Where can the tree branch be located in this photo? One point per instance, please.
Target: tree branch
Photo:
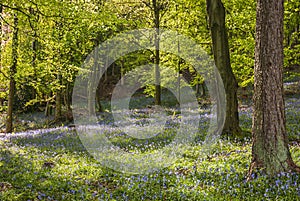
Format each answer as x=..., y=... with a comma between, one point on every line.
x=4, y=74
x=15, y=8
x=6, y=21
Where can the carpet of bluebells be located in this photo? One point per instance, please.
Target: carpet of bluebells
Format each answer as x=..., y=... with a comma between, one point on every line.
x=54, y=165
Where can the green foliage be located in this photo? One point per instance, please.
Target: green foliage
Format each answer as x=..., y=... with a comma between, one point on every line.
x=55, y=37
x=64, y=33
x=292, y=33
x=240, y=20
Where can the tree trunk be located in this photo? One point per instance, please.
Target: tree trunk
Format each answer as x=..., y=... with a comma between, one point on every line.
x=58, y=92
x=58, y=106
x=58, y=100
x=68, y=96
x=122, y=72
x=156, y=10
x=98, y=100
x=92, y=87
x=270, y=144
x=1, y=37
x=98, y=71
x=34, y=50
x=12, y=82
x=48, y=108
x=203, y=94
x=216, y=15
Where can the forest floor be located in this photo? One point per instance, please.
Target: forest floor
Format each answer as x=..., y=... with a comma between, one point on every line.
x=54, y=164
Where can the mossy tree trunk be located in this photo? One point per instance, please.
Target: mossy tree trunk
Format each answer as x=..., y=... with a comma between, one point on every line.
x=216, y=15
x=13, y=71
x=270, y=150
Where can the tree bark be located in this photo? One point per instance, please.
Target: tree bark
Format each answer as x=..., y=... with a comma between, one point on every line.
x=156, y=9
x=34, y=47
x=270, y=150
x=58, y=100
x=12, y=82
x=58, y=92
x=1, y=37
x=98, y=71
x=216, y=15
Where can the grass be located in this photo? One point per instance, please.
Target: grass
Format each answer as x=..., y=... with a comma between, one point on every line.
x=56, y=166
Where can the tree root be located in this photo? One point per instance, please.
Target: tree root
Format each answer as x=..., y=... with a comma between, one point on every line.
x=252, y=167
x=293, y=166
x=255, y=165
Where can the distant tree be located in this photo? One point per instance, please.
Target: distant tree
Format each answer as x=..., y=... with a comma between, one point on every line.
x=1, y=9
x=270, y=150
x=1, y=37
x=12, y=73
x=292, y=35
x=156, y=10
x=157, y=7
x=216, y=15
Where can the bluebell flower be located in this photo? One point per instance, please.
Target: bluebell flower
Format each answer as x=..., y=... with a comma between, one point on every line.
x=72, y=191
x=277, y=182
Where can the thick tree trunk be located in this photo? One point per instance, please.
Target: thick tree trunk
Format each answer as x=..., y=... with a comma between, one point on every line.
x=12, y=82
x=270, y=144
x=216, y=15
